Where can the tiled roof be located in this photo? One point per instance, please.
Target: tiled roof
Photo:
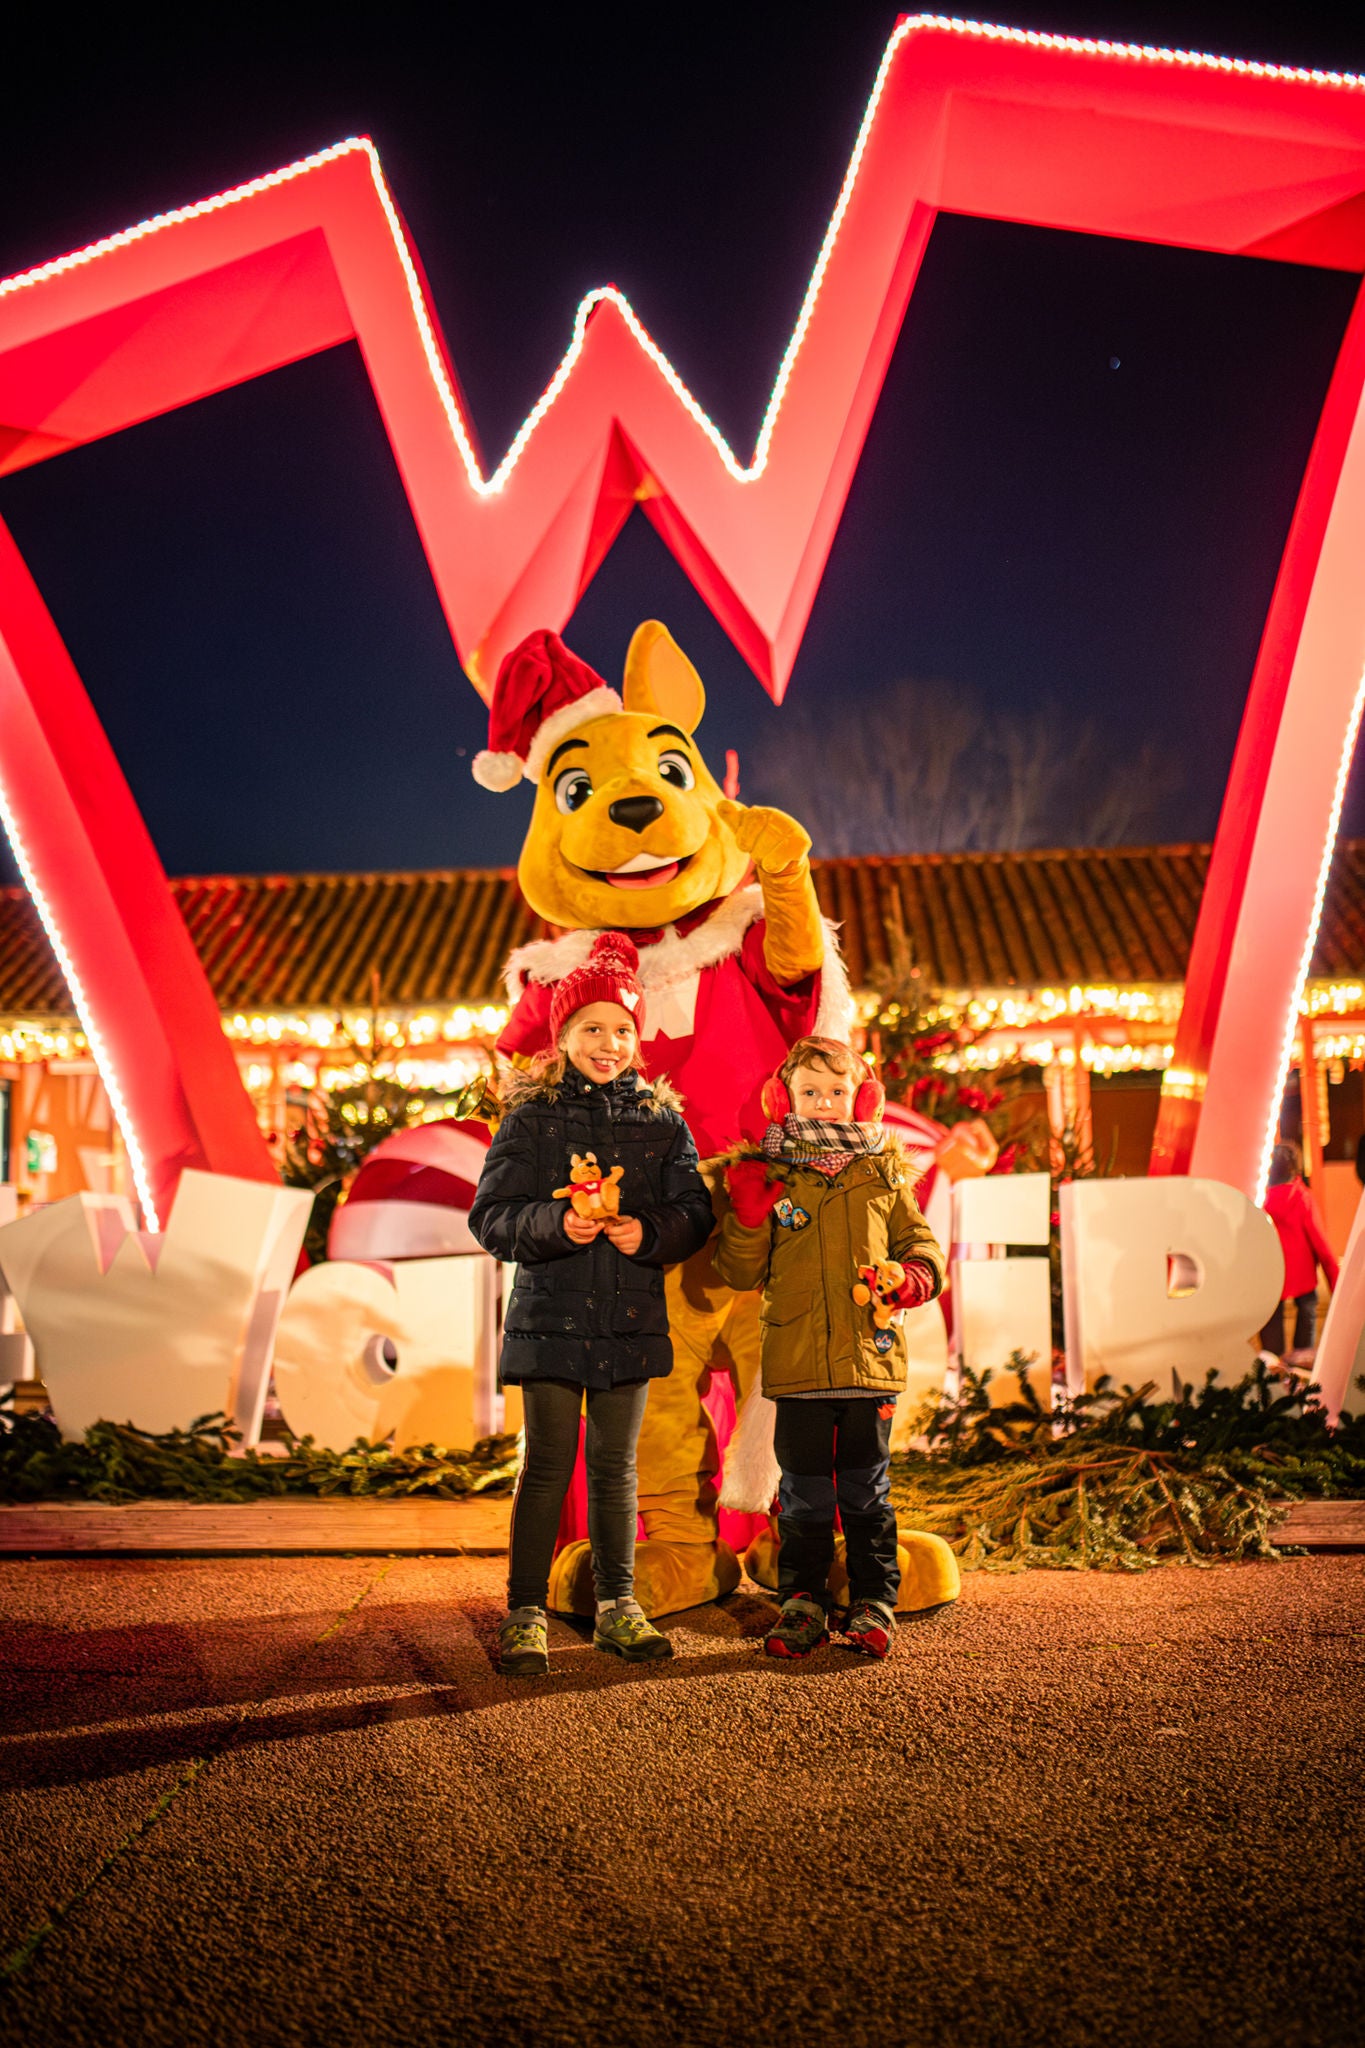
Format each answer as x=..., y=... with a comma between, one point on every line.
x=301, y=942
x=995, y=920
x=972, y=920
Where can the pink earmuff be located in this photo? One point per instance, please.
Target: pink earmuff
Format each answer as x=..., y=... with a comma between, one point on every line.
x=868, y=1103
x=774, y=1101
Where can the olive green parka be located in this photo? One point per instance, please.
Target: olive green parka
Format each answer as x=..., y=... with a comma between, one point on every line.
x=815, y=1337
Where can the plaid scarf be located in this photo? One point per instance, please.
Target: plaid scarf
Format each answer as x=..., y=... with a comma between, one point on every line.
x=826, y=1146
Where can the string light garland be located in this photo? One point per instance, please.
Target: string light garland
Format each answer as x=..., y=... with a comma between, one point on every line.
x=98, y=1045
x=1272, y=1124
x=492, y=485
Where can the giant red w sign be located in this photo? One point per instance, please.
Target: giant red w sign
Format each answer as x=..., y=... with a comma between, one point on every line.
x=1107, y=139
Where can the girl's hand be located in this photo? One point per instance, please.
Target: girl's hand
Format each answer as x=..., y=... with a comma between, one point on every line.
x=581, y=1229
x=625, y=1233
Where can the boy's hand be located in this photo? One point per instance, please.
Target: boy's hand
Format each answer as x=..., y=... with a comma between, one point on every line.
x=775, y=841
x=752, y=1195
x=581, y=1229
x=625, y=1233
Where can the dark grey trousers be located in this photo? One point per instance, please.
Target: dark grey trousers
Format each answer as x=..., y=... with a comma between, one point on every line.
x=552, y=1411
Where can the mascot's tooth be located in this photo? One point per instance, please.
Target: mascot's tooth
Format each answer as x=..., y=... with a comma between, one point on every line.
x=643, y=862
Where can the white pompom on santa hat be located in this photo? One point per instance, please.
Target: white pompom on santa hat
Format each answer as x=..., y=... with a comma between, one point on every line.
x=542, y=692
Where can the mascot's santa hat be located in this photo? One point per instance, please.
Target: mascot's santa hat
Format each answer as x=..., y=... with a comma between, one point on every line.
x=541, y=694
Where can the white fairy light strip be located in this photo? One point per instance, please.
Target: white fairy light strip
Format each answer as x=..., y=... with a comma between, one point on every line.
x=99, y=1048
x=1297, y=1004
x=492, y=485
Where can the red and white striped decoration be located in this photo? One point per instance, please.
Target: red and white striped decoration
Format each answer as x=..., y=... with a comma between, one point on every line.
x=411, y=1199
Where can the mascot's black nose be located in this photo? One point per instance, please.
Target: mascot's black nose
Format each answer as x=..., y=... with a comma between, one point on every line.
x=635, y=812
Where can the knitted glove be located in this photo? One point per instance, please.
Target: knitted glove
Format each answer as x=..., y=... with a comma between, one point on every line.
x=752, y=1195
x=917, y=1287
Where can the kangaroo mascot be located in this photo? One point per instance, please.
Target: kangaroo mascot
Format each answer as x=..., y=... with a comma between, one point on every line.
x=631, y=832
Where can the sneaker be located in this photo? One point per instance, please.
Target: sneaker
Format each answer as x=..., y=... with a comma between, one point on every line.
x=523, y=1648
x=869, y=1628
x=801, y=1628
x=622, y=1631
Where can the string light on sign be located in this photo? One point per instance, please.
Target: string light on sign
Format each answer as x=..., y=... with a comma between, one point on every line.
x=1272, y=1125
x=492, y=485
x=98, y=1044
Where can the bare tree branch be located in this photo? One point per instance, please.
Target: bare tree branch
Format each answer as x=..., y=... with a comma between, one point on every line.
x=928, y=768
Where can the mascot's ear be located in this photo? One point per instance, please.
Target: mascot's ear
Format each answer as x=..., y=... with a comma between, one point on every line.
x=659, y=677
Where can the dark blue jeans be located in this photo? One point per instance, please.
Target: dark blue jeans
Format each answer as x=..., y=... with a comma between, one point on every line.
x=836, y=1454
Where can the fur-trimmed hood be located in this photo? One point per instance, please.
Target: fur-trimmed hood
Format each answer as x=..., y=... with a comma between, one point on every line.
x=532, y=1084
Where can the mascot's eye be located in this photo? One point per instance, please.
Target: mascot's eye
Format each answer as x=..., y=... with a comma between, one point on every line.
x=572, y=790
x=677, y=769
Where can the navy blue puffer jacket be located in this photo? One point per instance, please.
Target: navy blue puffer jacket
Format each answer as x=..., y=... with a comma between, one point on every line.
x=587, y=1312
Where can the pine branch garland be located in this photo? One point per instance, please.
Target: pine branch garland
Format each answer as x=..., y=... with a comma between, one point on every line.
x=1117, y=1481
x=116, y=1463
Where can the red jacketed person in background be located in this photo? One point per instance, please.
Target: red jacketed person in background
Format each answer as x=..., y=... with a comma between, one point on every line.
x=1289, y=1204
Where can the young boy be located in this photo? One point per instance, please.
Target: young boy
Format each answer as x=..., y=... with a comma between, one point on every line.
x=826, y=1198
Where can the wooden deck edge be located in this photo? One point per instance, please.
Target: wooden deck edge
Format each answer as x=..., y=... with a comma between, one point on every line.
x=364, y=1528
x=286, y=1528
x=27, y=1552
x=1322, y=1525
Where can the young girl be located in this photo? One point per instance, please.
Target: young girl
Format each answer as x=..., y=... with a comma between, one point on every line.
x=827, y=1201
x=587, y=1316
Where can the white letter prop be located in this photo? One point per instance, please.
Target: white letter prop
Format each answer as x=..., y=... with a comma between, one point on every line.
x=364, y=1350
x=151, y=1330
x=1002, y=1305
x=1167, y=1275
x=1341, y=1353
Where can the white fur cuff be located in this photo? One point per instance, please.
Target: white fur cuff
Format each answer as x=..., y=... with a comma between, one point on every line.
x=751, y=1470
x=596, y=704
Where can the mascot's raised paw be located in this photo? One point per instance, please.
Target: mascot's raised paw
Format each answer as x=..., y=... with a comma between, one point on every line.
x=774, y=841
x=668, y=1577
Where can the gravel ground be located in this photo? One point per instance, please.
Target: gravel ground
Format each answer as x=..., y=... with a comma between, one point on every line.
x=276, y=1800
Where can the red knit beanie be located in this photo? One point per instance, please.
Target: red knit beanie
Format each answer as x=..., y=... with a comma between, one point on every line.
x=608, y=975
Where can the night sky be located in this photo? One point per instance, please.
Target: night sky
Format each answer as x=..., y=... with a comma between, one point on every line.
x=1069, y=512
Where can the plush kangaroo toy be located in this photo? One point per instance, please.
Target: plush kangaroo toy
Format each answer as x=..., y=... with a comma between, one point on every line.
x=591, y=1193
x=631, y=831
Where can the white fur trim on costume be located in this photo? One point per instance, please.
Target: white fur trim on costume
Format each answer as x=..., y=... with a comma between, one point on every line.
x=672, y=959
x=496, y=771
x=597, y=704
x=751, y=1470
x=834, y=1018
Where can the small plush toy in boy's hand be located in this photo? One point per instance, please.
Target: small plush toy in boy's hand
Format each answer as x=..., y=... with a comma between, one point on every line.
x=881, y=1286
x=890, y=1287
x=590, y=1193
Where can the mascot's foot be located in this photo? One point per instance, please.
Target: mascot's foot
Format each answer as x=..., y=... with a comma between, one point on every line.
x=929, y=1573
x=760, y=1559
x=668, y=1577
